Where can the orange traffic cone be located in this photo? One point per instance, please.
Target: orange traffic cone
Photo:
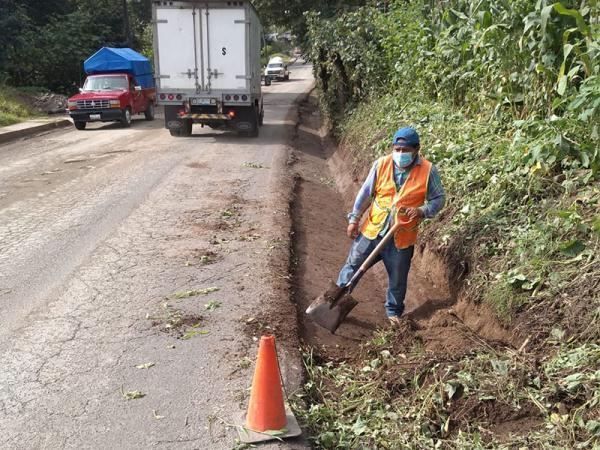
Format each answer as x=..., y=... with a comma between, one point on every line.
x=267, y=417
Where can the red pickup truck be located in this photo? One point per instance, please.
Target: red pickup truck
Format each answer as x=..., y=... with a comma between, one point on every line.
x=119, y=84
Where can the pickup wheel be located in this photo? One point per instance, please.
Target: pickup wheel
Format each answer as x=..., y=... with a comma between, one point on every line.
x=126, y=120
x=149, y=113
x=267, y=81
x=80, y=125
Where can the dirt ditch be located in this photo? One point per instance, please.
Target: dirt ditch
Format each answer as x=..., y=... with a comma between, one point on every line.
x=325, y=190
x=445, y=323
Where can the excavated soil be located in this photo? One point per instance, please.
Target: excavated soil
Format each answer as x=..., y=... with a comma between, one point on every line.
x=438, y=316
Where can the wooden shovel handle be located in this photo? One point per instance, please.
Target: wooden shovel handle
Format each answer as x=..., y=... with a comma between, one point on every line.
x=377, y=250
x=374, y=254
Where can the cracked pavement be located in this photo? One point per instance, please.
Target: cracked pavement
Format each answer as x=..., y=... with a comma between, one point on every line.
x=100, y=232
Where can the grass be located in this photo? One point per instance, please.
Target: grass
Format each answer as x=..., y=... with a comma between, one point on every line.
x=12, y=110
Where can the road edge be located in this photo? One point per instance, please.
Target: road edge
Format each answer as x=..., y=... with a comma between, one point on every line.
x=282, y=184
x=11, y=135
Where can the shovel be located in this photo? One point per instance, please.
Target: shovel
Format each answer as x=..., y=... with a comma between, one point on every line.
x=331, y=308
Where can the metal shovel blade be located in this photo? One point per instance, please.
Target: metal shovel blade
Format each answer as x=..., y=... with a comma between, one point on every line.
x=331, y=308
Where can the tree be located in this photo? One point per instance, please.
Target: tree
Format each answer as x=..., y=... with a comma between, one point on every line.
x=290, y=13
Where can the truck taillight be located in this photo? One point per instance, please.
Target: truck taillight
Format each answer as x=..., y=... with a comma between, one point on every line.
x=236, y=97
x=72, y=105
x=162, y=96
x=179, y=97
x=170, y=96
x=244, y=97
x=228, y=97
x=231, y=114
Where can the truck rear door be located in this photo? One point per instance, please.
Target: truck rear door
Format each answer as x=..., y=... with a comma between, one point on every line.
x=177, y=44
x=224, y=39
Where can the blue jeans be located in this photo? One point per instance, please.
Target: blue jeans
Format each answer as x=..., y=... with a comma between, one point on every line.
x=396, y=261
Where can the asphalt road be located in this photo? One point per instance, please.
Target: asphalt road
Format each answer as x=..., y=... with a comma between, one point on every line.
x=100, y=231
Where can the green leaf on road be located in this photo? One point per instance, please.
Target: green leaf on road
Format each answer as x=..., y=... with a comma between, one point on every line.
x=192, y=333
x=194, y=293
x=131, y=395
x=253, y=165
x=145, y=366
x=212, y=305
x=275, y=432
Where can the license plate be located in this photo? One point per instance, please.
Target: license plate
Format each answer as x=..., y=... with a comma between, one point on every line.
x=203, y=101
x=94, y=116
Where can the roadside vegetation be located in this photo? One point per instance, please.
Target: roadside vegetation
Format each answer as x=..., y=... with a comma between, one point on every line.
x=506, y=96
x=13, y=107
x=45, y=43
x=283, y=49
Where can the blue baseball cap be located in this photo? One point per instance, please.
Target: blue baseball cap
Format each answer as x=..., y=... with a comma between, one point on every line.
x=406, y=136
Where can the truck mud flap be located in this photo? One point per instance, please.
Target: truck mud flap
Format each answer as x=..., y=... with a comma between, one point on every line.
x=174, y=124
x=244, y=126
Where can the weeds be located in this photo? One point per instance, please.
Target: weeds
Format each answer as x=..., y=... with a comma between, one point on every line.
x=392, y=400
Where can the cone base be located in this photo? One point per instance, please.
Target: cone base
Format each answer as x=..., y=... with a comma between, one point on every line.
x=292, y=429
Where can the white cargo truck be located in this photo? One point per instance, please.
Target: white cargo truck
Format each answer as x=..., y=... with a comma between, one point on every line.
x=207, y=65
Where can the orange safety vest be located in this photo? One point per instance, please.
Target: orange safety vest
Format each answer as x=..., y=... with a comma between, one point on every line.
x=388, y=200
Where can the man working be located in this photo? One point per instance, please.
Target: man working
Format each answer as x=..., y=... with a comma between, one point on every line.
x=401, y=185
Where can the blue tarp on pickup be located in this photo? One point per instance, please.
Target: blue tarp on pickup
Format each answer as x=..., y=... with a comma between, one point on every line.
x=121, y=60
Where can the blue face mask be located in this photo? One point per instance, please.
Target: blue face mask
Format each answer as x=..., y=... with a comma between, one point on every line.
x=402, y=159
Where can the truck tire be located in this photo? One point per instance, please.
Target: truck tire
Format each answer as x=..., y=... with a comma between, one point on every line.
x=126, y=120
x=184, y=131
x=267, y=81
x=80, y=125
x=255, y=125
x=149, y=113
